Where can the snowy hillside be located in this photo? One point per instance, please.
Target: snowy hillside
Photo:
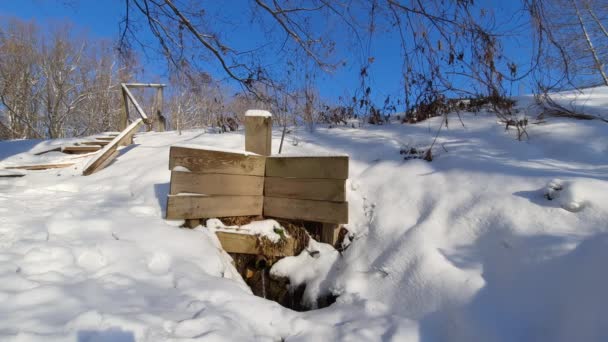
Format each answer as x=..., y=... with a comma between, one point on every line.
x=468, y=247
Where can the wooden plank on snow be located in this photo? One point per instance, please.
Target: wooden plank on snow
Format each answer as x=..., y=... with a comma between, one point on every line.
x=306, y=188
x=216, y=184
x=200, y=206
x=79, y=149
x=308, y=210
x=35, y=167
x=208, y=160
x=335, y=167
x=248, y=244
x=100, y=160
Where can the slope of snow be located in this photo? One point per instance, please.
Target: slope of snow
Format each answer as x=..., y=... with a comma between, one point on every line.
x=465, y=248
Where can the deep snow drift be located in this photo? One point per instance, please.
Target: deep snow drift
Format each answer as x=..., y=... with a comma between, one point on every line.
x=495, y=240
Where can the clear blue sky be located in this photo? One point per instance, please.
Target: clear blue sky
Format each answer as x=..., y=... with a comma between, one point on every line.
x=100, y=19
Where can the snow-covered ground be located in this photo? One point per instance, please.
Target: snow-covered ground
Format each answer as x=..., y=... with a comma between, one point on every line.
x=464, y=248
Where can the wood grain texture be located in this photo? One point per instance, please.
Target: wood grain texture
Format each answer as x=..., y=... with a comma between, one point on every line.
x=335, y=167
x=247, y=244
x=258, y=135
x=216, y=184
x=309, y=210
x=212, y=161
x=100, y=160
x=306, y=188
x=198, y=206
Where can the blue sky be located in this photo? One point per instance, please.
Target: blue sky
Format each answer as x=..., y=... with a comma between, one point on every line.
x=100, y=19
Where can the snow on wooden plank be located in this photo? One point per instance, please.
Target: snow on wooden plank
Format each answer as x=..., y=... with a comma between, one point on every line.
x=216, y=184
x=35, y=167
x=215, y=161
x=258, y=112
x=309, y=210
x=197, y=206
x=335, y=167
x=100, y=160
x=248, y=244
x=322, y=189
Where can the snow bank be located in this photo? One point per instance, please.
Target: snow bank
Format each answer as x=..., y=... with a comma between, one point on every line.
x=465, y=248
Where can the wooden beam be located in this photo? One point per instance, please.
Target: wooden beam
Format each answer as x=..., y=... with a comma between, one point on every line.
x=161, y=122
x=200, y=206
x=329, y=233
x=124, y=118
x=207, y=160
x=98, y=142
x=216, y=184
x=258, y=133
x=335, y=167
x=306, y=188
x=308, y=210
x=107, y=153
x=40, y=166
x=80, y=149
x=248, y=244
x=145, y=85
x=135, y=103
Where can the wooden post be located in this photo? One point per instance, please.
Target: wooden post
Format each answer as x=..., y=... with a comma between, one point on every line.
x=161, y=123
x=329, y=233
x=124, y=119
x=258, y=132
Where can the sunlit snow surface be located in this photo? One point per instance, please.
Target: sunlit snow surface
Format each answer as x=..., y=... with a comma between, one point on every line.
x=465, y=248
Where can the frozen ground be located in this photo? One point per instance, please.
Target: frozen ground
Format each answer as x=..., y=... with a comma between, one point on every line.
x=465, y=248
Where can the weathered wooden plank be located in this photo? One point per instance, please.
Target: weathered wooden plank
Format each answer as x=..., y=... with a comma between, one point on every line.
x=208, y=160
x=99, y=161
x=258, y=133
x=80, y=149
x=98, y=142
x=124, y=116
x=322, y=189
x=247, y=244
x=216, y=184
x=105, y=138
x=145, y=85
x=309, y=210
x=199, y=206
x=335, y=167
x=40, y=166
x=329, y=233
x=135, y=103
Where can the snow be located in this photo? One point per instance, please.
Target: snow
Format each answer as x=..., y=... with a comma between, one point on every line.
x=270, y=229
x=218, y=149
x=465, y=248
x=258, y=112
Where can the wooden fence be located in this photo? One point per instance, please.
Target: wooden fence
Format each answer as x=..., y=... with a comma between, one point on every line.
x=207, y=183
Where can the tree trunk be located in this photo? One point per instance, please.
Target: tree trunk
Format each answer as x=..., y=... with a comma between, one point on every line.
x=598, y=63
